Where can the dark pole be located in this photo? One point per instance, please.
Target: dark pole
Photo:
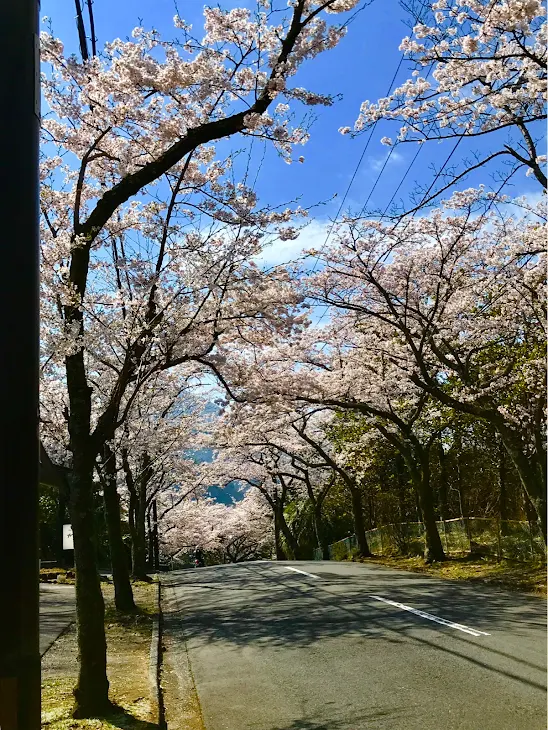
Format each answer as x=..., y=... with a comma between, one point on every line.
x=19, y=331
x=155, y=539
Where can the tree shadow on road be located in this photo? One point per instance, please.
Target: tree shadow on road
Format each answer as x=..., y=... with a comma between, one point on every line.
x=264, y=607
x=362, y=720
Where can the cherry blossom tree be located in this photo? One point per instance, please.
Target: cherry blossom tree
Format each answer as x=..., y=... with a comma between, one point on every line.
x=239, y=459
x=344, y=367
x=149, y=456
x=480, y=70
x=455, y=305
x=230, y=533
x=299, y=448
x=139, y=119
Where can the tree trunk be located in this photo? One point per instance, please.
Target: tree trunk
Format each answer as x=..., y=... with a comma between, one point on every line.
x=433, y=547
x=138, y=522
x=91, y=692
x=138, y=547
x=280, y=555
x=503, y=493
x=62, y=504
x=418, y=506
x=443, y=479
x=290, y=539
x=323, y=545
x=359, y=524
x=150, y=540
x=123, y=594
x=419, y=471
x=531, y=475
x=153, y=558
x=155, y=537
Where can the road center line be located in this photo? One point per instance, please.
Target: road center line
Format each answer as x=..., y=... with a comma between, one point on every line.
x=303, y=572
x=430, y=617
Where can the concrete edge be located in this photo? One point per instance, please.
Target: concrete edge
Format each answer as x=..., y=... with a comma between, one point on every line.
x=179, y=677
x=59, y=635
x=155, y=662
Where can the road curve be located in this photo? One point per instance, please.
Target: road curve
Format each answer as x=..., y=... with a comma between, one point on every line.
x=343, y=646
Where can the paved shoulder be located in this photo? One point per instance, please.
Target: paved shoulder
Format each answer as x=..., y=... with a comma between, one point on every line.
x=57, y=611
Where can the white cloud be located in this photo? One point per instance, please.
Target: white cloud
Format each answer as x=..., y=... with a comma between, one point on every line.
x=376, y=163
x=282, y=252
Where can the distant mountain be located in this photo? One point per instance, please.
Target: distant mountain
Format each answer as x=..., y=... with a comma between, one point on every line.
x=224, y=495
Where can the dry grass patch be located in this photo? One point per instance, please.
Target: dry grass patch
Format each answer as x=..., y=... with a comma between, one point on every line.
x=128, y=642
x=507, y=574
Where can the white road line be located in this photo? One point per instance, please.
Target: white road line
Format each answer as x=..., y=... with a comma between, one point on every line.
x=296, y=570
x=430, y=617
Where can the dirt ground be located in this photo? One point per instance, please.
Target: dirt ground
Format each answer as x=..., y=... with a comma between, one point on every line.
x=128, y=642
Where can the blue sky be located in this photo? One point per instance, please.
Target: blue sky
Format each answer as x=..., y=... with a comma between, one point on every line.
x=361, y=67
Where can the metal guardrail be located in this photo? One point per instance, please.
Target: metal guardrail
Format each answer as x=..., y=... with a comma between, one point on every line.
x=485, y=536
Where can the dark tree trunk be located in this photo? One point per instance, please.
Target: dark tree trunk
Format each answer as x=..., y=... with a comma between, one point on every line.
x=150, y=539
x=290, y=539
x=62, y=507
x=359, y=523
x=131, y=521
x=433, y=547
x=442, y=486
x=371, y=511
x=503, y=484
x=123, y=594
x=155, y=537
x=418, y=506
x=463, y=497
x=419, y=470
x=531, y=473
x=138, y=515
x=319, y=529
x=91, y=692
x=399, y=471
x=153, y=557
x=280, y=554
x=138, y=547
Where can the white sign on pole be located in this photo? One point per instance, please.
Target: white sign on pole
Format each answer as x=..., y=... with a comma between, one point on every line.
x=68, y=540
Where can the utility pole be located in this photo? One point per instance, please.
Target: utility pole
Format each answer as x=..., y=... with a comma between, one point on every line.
x=19, y=362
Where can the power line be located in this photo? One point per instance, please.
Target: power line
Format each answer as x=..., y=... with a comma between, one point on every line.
x=402, y=181
x=438, y=174
x=386, y=163
x=356, y=169
x=425, y=196
x=417, y=208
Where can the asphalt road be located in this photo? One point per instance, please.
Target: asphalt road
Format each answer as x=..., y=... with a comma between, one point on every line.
x=57, y=611
x=275, y=649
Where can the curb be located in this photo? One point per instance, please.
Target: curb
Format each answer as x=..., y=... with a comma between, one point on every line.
x=61, y=633
x=155, y=662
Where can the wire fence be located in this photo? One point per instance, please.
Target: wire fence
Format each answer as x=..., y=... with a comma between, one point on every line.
x=481, y=536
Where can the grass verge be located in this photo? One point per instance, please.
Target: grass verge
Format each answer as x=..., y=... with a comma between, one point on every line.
x=507, y=574
x=128, y=642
